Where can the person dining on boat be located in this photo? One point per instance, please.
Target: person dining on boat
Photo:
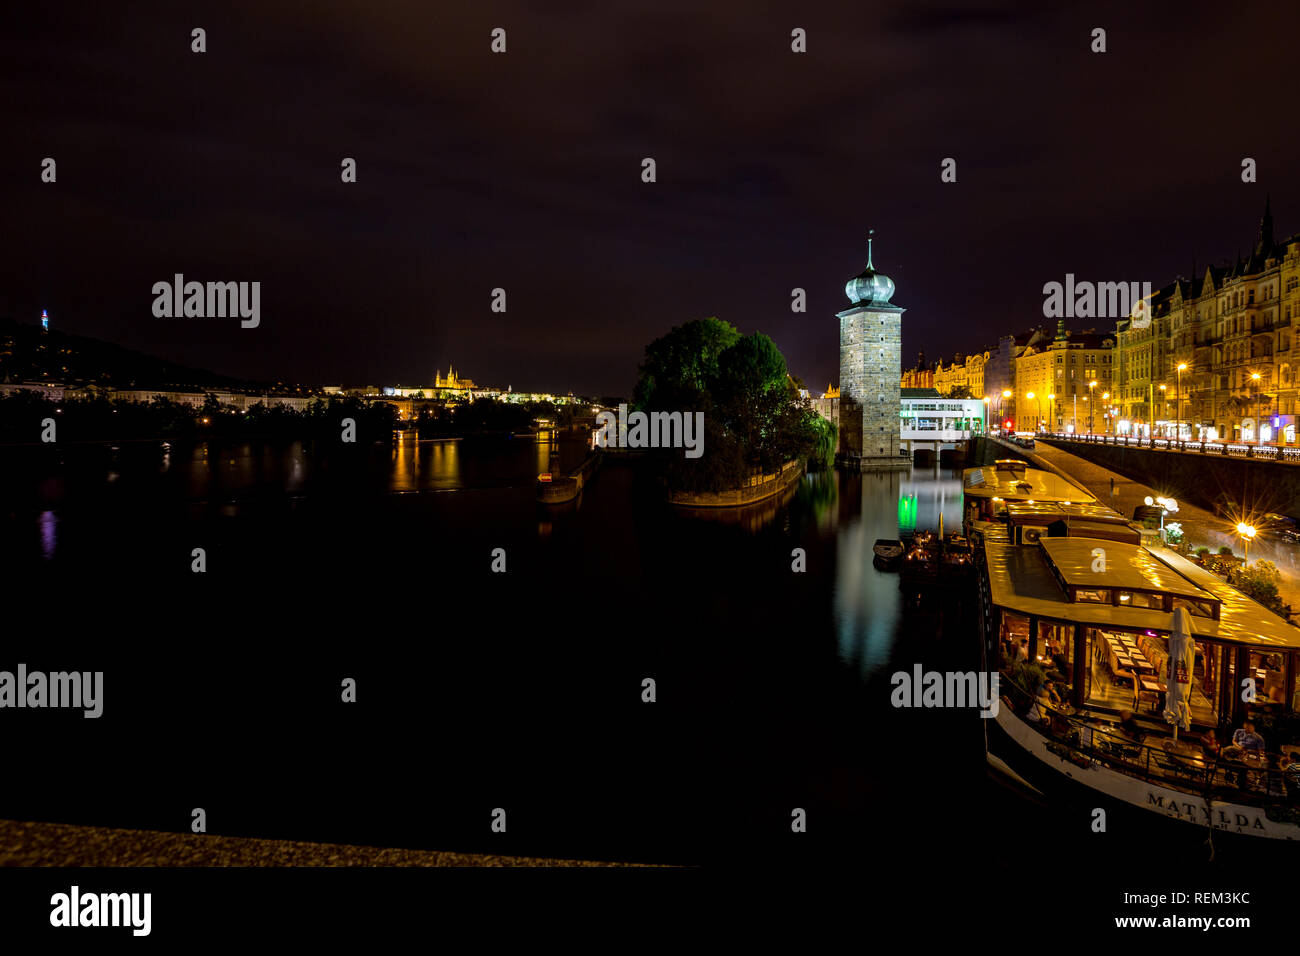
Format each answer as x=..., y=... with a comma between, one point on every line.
x=1041, y=707
x=1061, y=664
x=1247, y=747
x=1022, y=652
x=1245, y=738
x=1289, y=765
x=1055, y=691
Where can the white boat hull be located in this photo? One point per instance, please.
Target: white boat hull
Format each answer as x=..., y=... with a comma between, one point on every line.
x=1166, y=801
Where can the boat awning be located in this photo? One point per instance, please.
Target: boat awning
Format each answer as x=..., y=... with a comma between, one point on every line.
x=1021, y=580
x=1031, y=484
x=1128, y=566
x=1043, y=512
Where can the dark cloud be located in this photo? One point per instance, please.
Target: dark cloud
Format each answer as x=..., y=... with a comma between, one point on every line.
x=523, y=171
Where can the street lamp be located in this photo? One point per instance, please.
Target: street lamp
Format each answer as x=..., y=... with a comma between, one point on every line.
x=1166, y=506
x=1247, y=533
x=1105, y=397
x=1166, y=404
x=1091, y=386
x=1051, y=399
x=1178, y=414
x=1006, y=393
x=1258, y=431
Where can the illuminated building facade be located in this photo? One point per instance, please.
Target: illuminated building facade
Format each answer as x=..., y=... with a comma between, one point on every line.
x=1065, y=368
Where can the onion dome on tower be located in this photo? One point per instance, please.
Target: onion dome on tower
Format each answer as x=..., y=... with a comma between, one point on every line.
x=869, y=287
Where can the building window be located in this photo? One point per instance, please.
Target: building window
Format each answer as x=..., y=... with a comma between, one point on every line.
x=1141, y=599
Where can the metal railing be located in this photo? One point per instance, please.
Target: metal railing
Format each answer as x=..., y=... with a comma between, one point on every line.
x=1265, y=451
x=1213, y=776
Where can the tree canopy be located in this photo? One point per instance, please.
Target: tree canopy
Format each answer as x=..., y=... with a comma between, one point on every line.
x=754, y=418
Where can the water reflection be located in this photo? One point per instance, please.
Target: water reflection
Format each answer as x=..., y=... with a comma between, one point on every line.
x=867, y=601
x=297, y=469
x=49, y=524
x=867, y=604
x=930, y=493
x=405, y=452
x=752, y=518
x=545, y=442
x=817, y=495
x=443, y=462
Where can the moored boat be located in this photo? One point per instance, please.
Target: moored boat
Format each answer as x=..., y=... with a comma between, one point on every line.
x=1102, y=691
x=988, y=490
x=888, y=551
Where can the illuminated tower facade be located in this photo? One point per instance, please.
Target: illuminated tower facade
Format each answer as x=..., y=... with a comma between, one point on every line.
x=870, y=373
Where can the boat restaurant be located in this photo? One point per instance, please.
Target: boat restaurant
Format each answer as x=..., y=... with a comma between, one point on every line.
x=1097, y=614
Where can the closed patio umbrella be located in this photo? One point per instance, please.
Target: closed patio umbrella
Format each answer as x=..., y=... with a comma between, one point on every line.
x=1182, y=660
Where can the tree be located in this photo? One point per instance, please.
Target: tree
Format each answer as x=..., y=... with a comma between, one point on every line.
x=754, y=418
x=755, y=399
x=825, y=442
x=1260, y=581
x=678, y=365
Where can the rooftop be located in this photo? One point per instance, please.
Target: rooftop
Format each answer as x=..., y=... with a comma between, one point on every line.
x=1052, y=510
x=1029, y=483
x=1128, y=567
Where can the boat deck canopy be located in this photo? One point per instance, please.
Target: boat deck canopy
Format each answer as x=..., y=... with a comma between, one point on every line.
x=1045, y=512
x=1021, y=579
x=1029, y=483
x=1128, y=567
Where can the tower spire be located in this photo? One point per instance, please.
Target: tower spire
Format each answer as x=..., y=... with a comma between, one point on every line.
x=1265, y=241
x=870, y=233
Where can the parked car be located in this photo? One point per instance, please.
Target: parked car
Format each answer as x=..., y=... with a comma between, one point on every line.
x=1281, y=526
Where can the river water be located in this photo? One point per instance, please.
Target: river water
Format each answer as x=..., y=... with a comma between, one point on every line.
x=479, y=689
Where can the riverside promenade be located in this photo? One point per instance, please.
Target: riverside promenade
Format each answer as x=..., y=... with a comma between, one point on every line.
x=57, y=844
x=1200, y=527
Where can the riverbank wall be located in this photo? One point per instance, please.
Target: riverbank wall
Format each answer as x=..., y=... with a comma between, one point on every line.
x=760, y=488
x=559, y=490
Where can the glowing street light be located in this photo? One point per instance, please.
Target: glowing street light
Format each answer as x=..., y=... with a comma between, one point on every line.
x=1051, y=399
x=1167, y=506
x=1091, y=386
x=1247, y=533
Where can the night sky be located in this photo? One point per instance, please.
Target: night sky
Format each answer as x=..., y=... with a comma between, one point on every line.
x=523, y=171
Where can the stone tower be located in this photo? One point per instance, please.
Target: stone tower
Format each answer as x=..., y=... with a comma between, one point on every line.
x=870, y=373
